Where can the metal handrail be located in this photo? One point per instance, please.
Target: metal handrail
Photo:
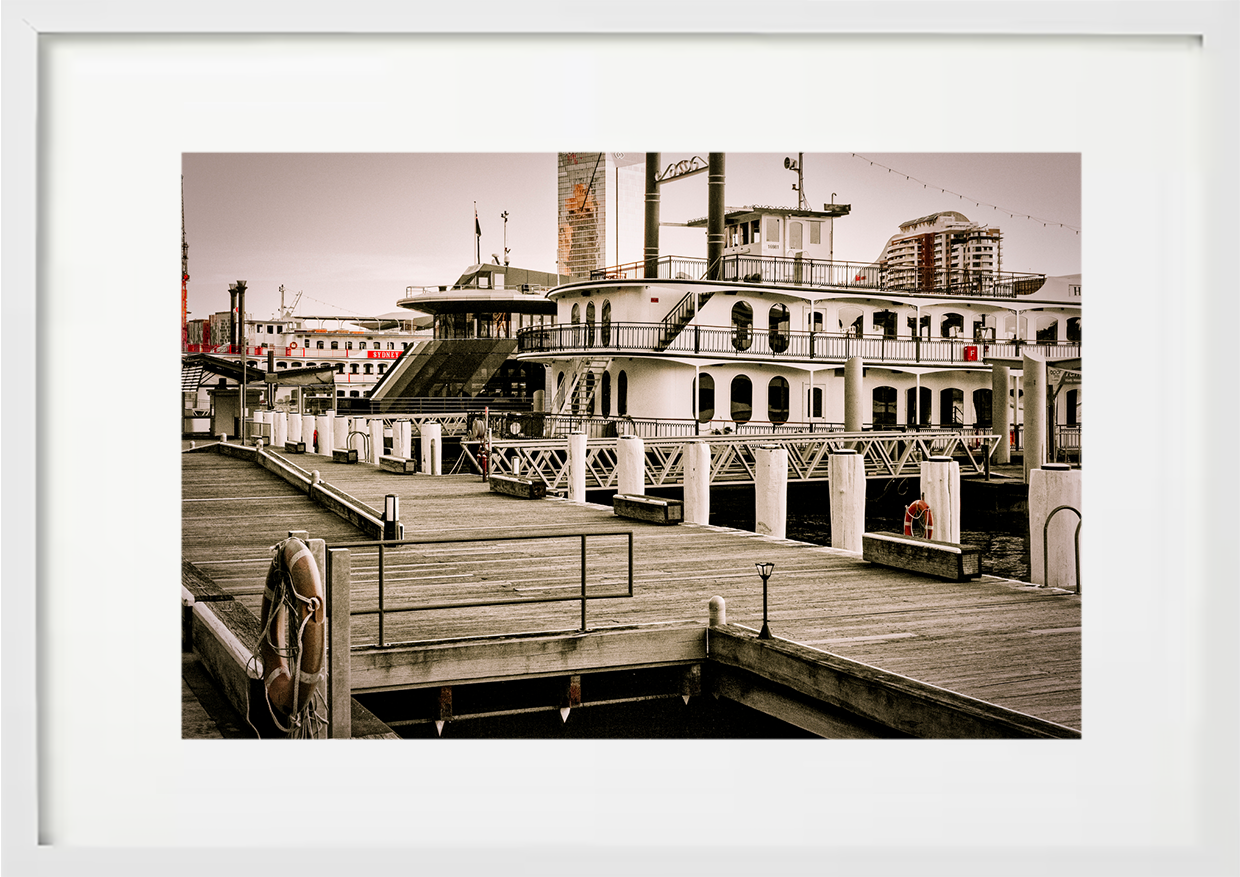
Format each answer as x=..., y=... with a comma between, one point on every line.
x=383, y=546
x=1046, y=547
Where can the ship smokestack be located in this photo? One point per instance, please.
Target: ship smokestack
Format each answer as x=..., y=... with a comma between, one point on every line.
x=651, y=268
x=714, y=217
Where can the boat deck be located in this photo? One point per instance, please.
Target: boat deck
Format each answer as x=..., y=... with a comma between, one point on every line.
x=1001, y=641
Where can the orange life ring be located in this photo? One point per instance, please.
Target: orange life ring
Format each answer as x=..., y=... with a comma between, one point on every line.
x=918, y=514
x=295, y=588
x=293, y=344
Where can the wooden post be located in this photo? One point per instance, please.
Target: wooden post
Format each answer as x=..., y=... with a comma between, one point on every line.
x=697, y=482
x=577, y=467
x=432, y=448
x=940, y=487
x=846, y=489
x=293, y=433
x=339, y=687
x=854, y=390
x=376, y=440
x=1001, y=411
x=1054, y=485
x=771, y=490
x=631, y=465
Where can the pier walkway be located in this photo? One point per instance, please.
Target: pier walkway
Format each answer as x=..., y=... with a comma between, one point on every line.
x=1004, y=642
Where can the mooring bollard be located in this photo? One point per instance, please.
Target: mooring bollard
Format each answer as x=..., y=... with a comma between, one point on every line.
x=718, y=611
x=432, y=448
x=1053, y=560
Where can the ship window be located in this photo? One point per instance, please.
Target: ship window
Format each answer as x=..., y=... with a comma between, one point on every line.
x=742, y=399
x=271, y=330
x=951, y=407
x=606, y=393
x=348, y=345
x=706, y=398
x=742, y=325
x=622, y=394
x=590, y=324
x=885, y=323
x=340, y=369
x=368, y=369
x=952, y=326
x=756, y=232
x=1073, y=329
x=778, y=325
x=815, y=232
x=606, y=330
x=815, y=321
x=391, y=345
x=382, y=368
x=883, y=412
x=794, y=236
x=1046, y=328
x=281, y=365
x=353, y=369
x=1073, y=403
x=772, y=229
x=852, y=321
x=925, y=326
x=919, y=414
x=815, y=402
x=362, y=346
x=777, y=400
x=576, y=312
x=982, y=415
x=335, y=345
x=319, y=346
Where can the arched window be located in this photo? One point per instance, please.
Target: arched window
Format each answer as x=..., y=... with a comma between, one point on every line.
x=952, y=326
x=982, y=415
x=742, y=325
x=706, y=399
x=1072, y=329
x=281, y=365
x=1046, y=327
x=815, y=402
x=851, y=321
x=919, y=414
x=742, y=399
x=362, y=346
x=367, y=369
x=606, y=394
x=883, y=411
x=353, y=369
x=885, y=323
x=576, y=321
x=335, y=345
x=319, y=346
x=590, y=324
x=622, y=394
x=777, y=400
x=348, y=345
x=778, y=325
x=951, y=407
x=606, y=327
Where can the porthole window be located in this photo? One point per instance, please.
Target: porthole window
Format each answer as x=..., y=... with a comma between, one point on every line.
x=742, y=399
x=742, y=325
x=777, y=400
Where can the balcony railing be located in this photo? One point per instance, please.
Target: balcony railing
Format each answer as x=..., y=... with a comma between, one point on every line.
x=821, y=273
x=750, y=344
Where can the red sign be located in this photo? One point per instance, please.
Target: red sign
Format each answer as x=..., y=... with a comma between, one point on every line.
x=383, y=354
x=970, y=353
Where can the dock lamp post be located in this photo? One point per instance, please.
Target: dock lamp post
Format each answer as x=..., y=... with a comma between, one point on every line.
x=764, y=570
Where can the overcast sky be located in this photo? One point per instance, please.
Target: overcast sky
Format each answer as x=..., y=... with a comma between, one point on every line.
x=352, y=231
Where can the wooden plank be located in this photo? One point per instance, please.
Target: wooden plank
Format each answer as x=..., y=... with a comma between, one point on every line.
x=526, y=657
x=511, y=485
x=651, y=509
x=947, y=560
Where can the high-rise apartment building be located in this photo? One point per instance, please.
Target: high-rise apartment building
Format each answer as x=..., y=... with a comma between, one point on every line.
x=601, y=208
x=942, y=251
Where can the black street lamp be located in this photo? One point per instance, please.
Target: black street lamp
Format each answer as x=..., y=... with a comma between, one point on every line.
x=764, y=570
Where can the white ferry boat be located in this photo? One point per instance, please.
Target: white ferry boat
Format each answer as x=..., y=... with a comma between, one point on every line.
x=755, y=338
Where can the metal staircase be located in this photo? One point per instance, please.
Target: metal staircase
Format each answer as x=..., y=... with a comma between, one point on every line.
x=567, y=392
x=680, y=316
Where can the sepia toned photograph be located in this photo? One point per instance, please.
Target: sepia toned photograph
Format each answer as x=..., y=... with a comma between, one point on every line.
x=632, y=445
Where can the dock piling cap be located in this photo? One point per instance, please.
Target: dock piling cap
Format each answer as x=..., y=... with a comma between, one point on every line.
x=939, y=459
x=1056, y=467
x=844, y=451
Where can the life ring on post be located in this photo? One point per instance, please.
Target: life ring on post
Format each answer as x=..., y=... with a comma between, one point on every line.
x=918, y=517
x=294, y=593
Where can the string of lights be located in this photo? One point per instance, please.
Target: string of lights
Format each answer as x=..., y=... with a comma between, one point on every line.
x=1047, y=223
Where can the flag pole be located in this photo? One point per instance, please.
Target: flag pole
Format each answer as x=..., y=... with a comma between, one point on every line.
x=477, y=237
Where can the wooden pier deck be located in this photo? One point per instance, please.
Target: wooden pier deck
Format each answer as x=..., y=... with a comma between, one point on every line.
x=1001, y=641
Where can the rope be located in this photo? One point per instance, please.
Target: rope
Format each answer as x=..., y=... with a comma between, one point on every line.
x=305, y=720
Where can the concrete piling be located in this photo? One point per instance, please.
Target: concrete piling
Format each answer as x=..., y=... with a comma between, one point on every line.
x=577, y=467
x=1001, y=411
x=432, y=448
x=854, y=390
x=376, y=440
x=1033, y=435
